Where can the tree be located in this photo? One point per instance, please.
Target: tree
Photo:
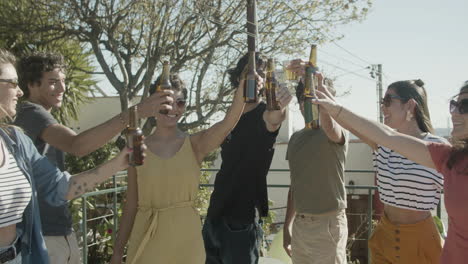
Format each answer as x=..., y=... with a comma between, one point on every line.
x=129, y=38
x=24, y=40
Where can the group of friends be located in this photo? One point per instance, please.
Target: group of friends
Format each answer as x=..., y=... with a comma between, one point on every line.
x=160, y=223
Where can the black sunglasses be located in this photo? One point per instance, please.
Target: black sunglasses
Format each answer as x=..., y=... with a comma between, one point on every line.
x=462, y=106
x=13, y=82
x=180, y=103
x=387, y=100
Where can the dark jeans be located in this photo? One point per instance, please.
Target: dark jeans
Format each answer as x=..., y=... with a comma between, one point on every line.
x=231, y=242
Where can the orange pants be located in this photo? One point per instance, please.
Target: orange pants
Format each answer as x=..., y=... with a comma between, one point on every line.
x=418, y=243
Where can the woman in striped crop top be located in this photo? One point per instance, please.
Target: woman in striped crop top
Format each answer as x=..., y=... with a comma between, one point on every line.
x=450, y=161
x=25, y=174
x=408, y=190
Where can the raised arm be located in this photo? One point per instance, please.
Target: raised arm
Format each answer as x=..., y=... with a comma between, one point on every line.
x=57, y=187
x=208, y=140
x=408, y=146
x=128, y=217
x=86, y=181
x=88, y=141
x=334, y=130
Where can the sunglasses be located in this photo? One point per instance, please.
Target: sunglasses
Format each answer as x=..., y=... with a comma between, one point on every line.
x=13, y=82
x=461, y=106
x=387, y=100
x=180, y=103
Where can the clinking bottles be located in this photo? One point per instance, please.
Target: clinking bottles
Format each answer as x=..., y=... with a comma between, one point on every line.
x=311, y=111
x=164, y=81
x=134, y=138
x=271, y=86
x=250, y=87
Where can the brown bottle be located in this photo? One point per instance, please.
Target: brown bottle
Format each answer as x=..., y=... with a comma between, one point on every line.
x=311, y=111
x=134, y=138
x=271, y=86
x=165, y=81
x=250, y=87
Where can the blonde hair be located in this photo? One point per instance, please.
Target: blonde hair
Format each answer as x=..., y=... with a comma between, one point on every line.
x=6, y=57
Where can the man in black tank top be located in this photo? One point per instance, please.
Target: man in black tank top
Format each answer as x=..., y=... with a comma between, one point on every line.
x=231, y=232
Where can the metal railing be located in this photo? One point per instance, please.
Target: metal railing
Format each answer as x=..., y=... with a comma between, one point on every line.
x=117, y=190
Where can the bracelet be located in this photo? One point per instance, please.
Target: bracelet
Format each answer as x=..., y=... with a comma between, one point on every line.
x=339, y=111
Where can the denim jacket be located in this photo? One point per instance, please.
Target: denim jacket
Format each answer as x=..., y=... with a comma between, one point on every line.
x=46, y=180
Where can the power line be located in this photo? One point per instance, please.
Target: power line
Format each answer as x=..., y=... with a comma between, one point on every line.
x=347, y=71
x=347, y=51
x=342, y=58
x=351, y=72
x=331, y=39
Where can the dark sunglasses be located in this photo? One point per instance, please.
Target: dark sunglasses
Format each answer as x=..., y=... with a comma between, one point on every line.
x=462, y=106
x=180, y=103
x=13, y=82
x=387, y=100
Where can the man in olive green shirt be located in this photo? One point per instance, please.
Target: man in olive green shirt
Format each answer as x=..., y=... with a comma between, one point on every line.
x=317, y=198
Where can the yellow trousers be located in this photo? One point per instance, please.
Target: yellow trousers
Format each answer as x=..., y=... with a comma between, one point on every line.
x=418, y=243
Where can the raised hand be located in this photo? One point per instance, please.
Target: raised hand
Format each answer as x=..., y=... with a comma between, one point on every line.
x=159, y=101
x=328, y=103
x=283, y=96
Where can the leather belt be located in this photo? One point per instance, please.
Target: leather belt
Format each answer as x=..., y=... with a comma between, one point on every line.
x=11, y=253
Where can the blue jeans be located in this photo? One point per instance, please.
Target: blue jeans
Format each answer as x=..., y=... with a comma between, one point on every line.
x=231, y=242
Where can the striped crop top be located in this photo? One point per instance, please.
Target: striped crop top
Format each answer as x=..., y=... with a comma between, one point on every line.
x=405, y=184
x=15, y=190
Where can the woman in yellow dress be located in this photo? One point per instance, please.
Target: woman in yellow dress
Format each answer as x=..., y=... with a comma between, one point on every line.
x=161, y=193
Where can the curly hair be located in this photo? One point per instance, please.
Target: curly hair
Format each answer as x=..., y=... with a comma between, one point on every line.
x=31, y=68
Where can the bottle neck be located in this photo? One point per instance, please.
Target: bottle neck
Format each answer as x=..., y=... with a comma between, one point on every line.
x=251, y=65
x=133, y=117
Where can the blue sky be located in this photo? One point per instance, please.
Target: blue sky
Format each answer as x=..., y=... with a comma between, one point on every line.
x=411, y=39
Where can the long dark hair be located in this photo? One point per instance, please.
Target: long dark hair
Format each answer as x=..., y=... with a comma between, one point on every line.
x=460, y=150
x=414, y=89
x=235, y=73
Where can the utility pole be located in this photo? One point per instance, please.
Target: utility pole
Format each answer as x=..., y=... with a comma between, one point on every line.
x=380, y=91
x=376, y=72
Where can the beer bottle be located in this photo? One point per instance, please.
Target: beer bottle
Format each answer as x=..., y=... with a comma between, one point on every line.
x=165, y=81
x=311, y=111
x=271, y=86
x=134, y=138
x=250, y=87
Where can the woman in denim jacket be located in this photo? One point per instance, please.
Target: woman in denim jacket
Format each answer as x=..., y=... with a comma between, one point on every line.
x=25, y=174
